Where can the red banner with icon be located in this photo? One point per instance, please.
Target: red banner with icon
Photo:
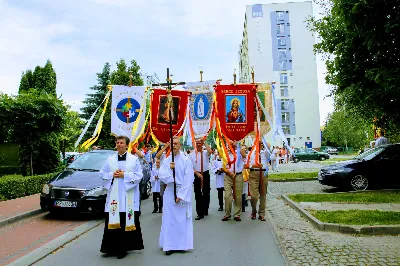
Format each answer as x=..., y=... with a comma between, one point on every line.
x=235, y=109
x=160, y=117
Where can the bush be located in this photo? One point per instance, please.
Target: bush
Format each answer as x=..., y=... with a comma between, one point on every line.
x=9, y=170
x=17, y=186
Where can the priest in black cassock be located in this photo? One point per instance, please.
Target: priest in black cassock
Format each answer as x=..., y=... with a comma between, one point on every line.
x=122, y=174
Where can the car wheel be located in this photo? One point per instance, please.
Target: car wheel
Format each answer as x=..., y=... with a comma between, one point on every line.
x=322, y=158
x=359, y=182
x=296, y=159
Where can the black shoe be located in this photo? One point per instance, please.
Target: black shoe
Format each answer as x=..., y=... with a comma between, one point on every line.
x=121, y=256
x=220, y=209
x=199, y=217
x=169, y=252
x=206, y=213
x=160, y=211
x=154, y=211
x=243, y=210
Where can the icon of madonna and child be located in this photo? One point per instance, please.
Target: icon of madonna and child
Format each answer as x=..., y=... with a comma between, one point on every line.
x=235, y=108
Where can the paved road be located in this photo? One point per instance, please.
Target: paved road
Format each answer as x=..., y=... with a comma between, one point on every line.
x=216, y=243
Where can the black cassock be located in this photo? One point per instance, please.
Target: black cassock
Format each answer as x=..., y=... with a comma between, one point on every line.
x=119, y=241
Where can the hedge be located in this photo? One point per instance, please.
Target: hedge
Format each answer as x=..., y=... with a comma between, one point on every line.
x=9, y=170
x=17, y=186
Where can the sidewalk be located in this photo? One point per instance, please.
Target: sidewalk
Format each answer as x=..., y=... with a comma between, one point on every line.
x=16, y=207
x=328, y=206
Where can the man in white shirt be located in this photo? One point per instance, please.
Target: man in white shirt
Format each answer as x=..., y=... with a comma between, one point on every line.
x=258, y=181
x=219, y=180
x=233, y=183
x=202, y=186
x=156, y=187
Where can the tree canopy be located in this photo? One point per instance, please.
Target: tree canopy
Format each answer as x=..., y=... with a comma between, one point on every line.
x=360, y=40
x=42, y=78
x=120, y=76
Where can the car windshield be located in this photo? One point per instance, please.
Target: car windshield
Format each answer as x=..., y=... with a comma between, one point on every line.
x=90, y=161
x=369, y=154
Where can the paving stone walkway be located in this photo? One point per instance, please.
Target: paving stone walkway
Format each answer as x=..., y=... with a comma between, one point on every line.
x=304, y=245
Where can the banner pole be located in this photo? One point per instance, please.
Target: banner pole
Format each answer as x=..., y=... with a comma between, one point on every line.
x=170, y=106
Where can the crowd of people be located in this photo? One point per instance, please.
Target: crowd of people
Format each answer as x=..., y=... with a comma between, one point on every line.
x=244, y=178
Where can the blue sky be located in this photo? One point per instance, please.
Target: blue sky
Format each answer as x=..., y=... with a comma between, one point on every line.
x=79, y=36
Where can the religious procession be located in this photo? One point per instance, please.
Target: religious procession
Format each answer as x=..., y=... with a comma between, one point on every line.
x=173, y=115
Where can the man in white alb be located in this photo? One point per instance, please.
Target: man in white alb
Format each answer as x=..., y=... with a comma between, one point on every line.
x=177, y=224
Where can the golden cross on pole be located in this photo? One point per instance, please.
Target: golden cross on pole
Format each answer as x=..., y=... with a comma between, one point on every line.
x=130, y=78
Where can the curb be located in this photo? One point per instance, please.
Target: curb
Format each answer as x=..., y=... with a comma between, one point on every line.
x=272, y=225
x=345, y=229
x=293, y=180
x=20, y=217
x=45, y=250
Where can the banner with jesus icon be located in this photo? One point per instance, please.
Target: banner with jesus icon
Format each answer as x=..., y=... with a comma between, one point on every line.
x=161, y=116
x=234, y=109
x=201, y=106
x=128, y=110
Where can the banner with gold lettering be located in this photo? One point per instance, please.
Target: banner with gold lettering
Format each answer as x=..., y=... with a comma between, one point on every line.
x=234, y=109
x=160, y=118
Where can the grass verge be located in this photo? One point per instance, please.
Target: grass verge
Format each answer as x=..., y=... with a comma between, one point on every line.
x=299, y=175
x=360, y=197
x=358, y=217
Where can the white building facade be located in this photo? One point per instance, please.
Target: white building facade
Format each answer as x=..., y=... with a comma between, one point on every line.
x=278, y=45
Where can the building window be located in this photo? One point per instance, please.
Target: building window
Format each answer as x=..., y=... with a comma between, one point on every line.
x=283, y=65
x=280, y=15
x=280, y=29
x=284, y=92
x=282, y=53
x=286, y=129
x=284, y=104
x=281, y=41
x=283, y=78
x=308, y=138
x=286, y=117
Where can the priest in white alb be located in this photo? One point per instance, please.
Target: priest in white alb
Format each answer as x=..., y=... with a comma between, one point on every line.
x=122, y=173
x=177, y=222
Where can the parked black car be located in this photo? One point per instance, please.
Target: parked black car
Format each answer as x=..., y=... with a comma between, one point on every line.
x=79, y=187
x=373, y=168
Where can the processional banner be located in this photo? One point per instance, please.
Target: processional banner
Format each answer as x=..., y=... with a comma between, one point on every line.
x=128, y=110
x=234, y=109
x=201, y=106
x=160, y=118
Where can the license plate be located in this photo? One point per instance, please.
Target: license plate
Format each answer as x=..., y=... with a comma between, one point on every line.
x=65, y=204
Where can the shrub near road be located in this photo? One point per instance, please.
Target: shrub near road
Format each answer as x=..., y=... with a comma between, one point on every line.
x=17, y=186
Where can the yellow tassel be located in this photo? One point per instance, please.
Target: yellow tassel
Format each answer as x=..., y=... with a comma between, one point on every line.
x=130, y=228
x=114, y=226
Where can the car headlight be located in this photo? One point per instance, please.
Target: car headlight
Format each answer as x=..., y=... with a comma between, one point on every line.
x=99, y=191
x=335, y=171
x=46, y=189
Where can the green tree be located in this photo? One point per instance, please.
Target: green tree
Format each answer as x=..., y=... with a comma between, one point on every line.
x=120, y=76
x=35, y=118
x=360, y=41
x=343, y=129
x=71, y=131
x=43, y=78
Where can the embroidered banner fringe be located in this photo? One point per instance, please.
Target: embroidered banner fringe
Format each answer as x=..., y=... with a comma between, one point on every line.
x=114, y=226
x=130, y=228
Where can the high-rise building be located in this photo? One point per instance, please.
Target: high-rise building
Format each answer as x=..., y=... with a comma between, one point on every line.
x=279, y=46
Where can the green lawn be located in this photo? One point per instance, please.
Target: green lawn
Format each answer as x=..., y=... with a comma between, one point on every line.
x=284, y=176
x=360, y=197
x=358, y=217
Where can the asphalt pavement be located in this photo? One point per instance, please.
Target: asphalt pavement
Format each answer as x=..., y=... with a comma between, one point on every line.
x=249, y=242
